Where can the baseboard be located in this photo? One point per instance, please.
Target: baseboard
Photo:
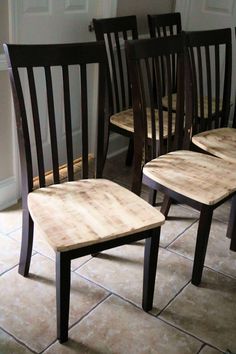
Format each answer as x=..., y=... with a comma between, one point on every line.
x=8, y=192
x=117, y=145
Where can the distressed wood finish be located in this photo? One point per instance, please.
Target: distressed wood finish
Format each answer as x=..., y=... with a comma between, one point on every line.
x=83, y=217
x=218, y=142
x=201, y=177
x=199, y=180
x=125, y=120
x=89, y=211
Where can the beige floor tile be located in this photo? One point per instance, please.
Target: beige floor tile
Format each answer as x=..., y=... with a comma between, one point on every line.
x=40, y=245
x=9, y=253
x=118, y=327
x=9, y=345
x=222, y=212
x=179, y=219
x=208, y=311
x=27, y=305
x=10, y=218
x=121, y=271
x=218, y=256
x=209, y=350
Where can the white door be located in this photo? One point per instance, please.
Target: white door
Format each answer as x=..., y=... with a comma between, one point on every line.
x=211, y=14
x=58, y=21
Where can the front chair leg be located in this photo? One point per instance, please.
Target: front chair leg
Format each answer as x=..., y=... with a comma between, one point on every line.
x=231, y=231
x=166, y=204
x=62, y=295
x=26, y=243
x=150, y=266
x=201, y=244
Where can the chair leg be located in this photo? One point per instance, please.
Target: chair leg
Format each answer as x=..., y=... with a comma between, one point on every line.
x=63, y=276
x=26, y=243
x=201, y=244
x=166, y=205
x=152, y=197
x=150, y=266
x=231, y=231
x=130, y=153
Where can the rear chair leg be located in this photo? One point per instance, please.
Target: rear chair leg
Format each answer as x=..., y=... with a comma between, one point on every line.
x=26, y=243
x=166, y=204
x=150, y=266
x=231, y=231
x=201, y=244
x=62, y=295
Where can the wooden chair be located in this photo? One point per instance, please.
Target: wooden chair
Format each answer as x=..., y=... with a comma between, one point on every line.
x=77, y=217
x=114, y=31
x=210, y=55
x=198, y=180
x=164, y=25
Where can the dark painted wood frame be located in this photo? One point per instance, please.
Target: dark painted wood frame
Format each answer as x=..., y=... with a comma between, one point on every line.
x=153, y=50
x=29, y=56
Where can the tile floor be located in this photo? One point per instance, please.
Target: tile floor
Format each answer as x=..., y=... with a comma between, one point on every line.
x=105, y=311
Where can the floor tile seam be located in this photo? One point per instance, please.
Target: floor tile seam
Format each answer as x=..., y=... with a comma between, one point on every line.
x=205, y=266
x=18, y=340
x=81, y=265
x=181, y=233
x=203, y=341
x=173, y=298
x=209, y=345
x=79, y=320
x=118, y=295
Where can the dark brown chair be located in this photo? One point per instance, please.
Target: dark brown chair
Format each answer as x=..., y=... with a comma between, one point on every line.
x=77, y=217
x=114, y=31
x=210, y=55
x=164, y=25
x=201, y=181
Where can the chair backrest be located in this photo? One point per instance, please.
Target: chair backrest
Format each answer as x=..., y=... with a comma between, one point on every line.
x=210, y=55
x=114, y=31
x=46, y=80
x=157, y=131
x=164, y=25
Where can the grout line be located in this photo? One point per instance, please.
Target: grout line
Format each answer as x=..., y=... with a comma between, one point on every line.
x=181, y=233
x=18, y=340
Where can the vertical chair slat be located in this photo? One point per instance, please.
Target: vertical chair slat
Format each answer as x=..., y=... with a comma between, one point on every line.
x=114, y=74
x=201, y=90
x=84, y=120
x=217, y=86
x=158, y=74
x=68, y=126
x=209, y=87
x=52, y=124
x=152, y=108
x=120, y=68
x=23, y=134
x=195, y=91
x=169, y=95
x=37, y=129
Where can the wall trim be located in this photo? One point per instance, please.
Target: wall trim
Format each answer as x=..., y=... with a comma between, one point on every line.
x=3, y=63
x=8, y=192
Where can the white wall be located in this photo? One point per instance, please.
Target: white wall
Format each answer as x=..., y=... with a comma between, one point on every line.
x=143, y=7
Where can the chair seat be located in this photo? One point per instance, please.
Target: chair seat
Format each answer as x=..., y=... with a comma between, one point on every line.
x=219, y=142
x=174, y=97
x=201, y=177
x=125, y=120
x=89, y=211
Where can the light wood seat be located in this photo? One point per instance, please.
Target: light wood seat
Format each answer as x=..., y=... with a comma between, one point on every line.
x=218, y=142
x=125, y=120
x=77, y=219
x=205, y=105
x=195, y=175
